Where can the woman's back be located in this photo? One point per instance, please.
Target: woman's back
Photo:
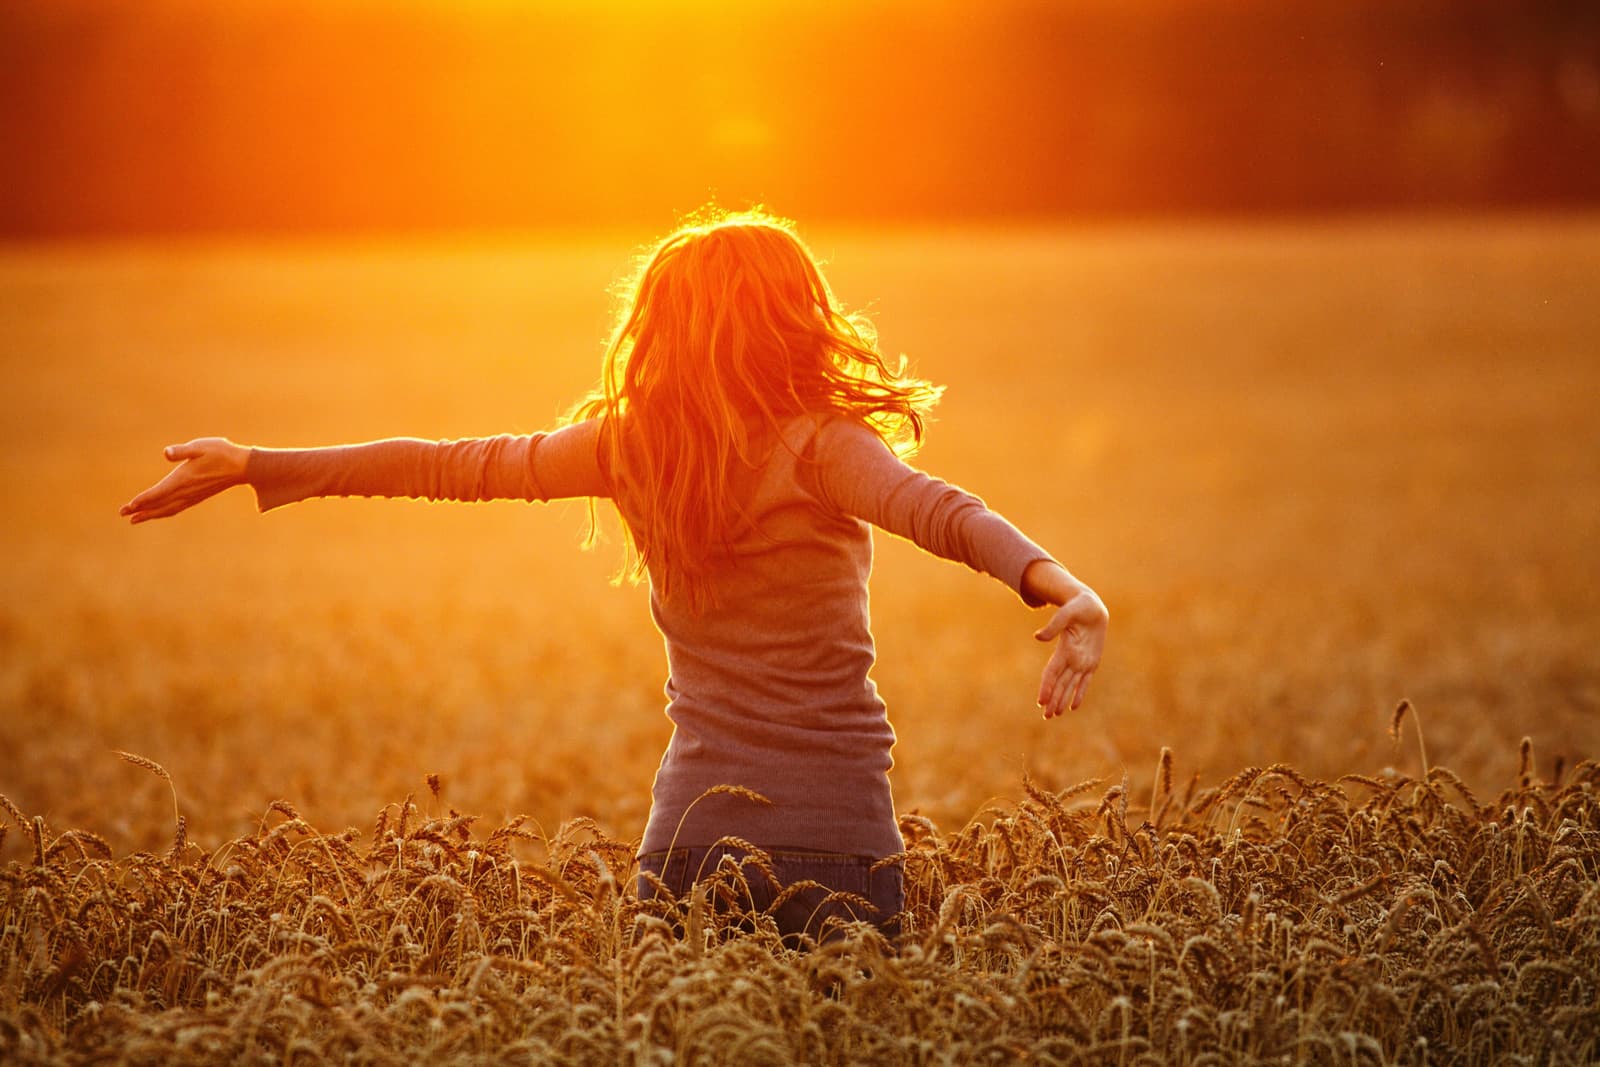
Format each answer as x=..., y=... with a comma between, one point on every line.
x=769, y=683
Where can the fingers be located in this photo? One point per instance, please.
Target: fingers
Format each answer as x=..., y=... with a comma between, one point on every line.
x=140, y=502
x=1063, y=689
x=163, y=508
x=143, y=500
x=165, y=512
x=1057, y=681
x=157, y=493
x=155, y=502
x=1082, y=689
x=1067, y=693
x=1047, y=682
x=1057, y=694
x=153, y=509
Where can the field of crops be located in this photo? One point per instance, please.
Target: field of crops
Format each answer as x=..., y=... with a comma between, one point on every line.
x=1315, y=470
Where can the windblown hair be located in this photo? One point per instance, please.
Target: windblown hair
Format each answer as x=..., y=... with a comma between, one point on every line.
x=727, y=330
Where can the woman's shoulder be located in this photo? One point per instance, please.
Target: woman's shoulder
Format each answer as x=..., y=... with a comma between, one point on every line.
x=842, y=434
x=818, y=437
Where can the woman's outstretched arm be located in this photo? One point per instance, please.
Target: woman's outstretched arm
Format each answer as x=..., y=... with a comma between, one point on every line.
x=858, y=474
x=536, y=466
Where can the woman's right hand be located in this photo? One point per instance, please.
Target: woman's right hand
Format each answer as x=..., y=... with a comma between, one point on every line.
x=206, y=466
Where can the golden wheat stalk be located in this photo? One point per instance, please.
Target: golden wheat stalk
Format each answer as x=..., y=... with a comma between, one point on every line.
x=14, y=812
x=180, y=839
x=155, y=768
x=1400, y=712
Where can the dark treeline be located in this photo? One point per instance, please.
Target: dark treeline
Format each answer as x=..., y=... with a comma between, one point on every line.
x=281, y=115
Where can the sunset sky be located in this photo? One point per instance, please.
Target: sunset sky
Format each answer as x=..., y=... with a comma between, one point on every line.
x=200, y=115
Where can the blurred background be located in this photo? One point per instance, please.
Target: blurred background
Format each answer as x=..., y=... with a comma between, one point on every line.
x=183, y=116
x=1276, y=321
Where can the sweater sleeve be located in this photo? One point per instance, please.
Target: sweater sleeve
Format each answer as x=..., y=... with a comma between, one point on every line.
x=859, y=475
x=539, y=466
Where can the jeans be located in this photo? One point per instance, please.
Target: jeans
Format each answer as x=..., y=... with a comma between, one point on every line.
x=804, y=914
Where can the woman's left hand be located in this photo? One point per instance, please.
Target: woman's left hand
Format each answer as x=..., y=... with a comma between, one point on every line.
x=1079, y=630
x=206, y=466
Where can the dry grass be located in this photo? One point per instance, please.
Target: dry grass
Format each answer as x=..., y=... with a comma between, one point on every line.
x=1271, y=919
x=1314, y=470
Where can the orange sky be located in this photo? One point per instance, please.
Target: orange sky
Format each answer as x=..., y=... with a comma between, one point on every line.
x=185, y=115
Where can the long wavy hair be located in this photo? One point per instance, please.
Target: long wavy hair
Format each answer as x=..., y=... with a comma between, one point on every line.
x=727, y=330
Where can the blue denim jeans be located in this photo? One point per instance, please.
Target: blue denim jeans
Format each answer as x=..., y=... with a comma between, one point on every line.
x=803, y=913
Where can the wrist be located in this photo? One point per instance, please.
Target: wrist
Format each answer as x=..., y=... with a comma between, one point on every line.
x=1047, y=582
x=238, y=457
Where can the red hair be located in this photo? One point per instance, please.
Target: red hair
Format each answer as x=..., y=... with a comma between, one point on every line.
x=728, y=330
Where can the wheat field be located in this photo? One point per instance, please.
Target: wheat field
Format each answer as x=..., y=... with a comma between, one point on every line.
x=1315, y=469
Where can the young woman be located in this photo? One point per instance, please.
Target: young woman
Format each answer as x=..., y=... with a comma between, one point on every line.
x=748, y=431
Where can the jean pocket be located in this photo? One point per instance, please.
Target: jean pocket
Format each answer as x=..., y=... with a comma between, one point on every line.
x=835, y=873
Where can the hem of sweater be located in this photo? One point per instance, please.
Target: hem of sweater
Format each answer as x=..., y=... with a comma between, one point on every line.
x=825, y=840
x=865, y=825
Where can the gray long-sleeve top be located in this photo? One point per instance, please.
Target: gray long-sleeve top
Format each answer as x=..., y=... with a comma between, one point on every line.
x=769, y=689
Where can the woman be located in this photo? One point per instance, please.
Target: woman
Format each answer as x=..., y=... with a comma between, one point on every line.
x=747, y=431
